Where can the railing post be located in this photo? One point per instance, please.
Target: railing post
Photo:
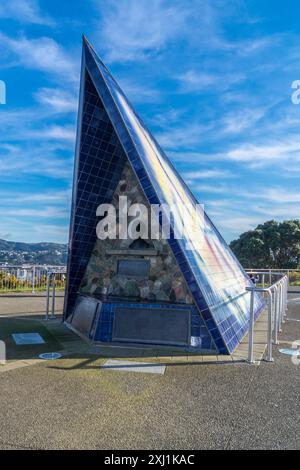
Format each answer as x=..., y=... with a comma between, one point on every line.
x=284, y=297
x=48, y=294
x=270, y=314
x=53, y=296
x=280, y=307
x=286, y=293
x=33, y=279
x=276, y=302
x=251, y=328
x=283, y=302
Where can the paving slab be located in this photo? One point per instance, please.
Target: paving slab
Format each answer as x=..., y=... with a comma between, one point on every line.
x=131, y=366
x=27, y=338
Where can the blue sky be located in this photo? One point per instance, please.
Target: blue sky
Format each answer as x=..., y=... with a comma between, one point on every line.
x=211, y=79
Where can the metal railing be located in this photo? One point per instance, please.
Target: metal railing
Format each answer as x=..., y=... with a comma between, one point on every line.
x=267, y=275
x=52, y=276
x=276, y=294
x=31, y=278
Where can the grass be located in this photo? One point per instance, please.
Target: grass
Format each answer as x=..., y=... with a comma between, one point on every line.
x=28, y=289
x=294, y=279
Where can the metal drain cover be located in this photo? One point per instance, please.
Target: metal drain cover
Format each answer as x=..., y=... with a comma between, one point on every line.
x=50, y=356
x=290, y=352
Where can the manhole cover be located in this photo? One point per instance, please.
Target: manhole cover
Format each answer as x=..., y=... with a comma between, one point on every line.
x=290, y=352
x=27, y=338
x=50, y=356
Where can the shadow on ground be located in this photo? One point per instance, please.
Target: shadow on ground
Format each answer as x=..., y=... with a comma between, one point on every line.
x=58, y=337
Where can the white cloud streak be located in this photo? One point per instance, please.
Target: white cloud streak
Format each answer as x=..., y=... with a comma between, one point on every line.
x=60, y=101
x=206, y=174
x=43, y=159
x=135, y=29
x=43, y=54
x=25, y=11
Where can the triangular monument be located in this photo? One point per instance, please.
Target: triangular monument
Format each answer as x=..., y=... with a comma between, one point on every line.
x=154, y=291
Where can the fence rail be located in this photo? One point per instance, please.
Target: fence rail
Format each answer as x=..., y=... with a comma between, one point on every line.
x=30, y=278
x=276, y=294
x=268, y=276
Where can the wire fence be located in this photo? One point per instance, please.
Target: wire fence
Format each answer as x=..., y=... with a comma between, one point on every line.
x=14, y=279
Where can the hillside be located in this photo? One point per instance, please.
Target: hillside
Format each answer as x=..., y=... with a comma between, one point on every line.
x=18, y=253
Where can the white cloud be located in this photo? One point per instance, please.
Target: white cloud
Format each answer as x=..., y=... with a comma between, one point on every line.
x=59, y=100
x=167, y=117
x=46, y=212
x=139, y=93
x=215, y=189
x=5, y=235
x=64, y=133
x=240, y=223
x=283, y=152
x=196, y=81
x=39, y=159
x=25, y=11
x=187, y=135
x=281, y=195
x=193, y=81
x=188, y=156
x=11, y=198
x=54, y=196
x=221, y=203
x=38, y=122
x=43, y=54
x=265, y=153
x=31, y=231
x=245, y=48
x=238, y=121
x=136, y=29
x=204, y=174
x=133, y=29
x=55, y=232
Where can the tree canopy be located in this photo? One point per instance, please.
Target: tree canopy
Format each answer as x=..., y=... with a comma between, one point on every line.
x=270, y=245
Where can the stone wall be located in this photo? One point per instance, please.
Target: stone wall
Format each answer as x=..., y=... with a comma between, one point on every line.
x=165, y=282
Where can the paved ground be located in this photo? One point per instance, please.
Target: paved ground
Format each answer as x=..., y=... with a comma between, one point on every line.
x=25, y=304
x=72, y=403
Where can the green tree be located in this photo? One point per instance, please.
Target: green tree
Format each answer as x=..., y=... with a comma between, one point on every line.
x=270, y=245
